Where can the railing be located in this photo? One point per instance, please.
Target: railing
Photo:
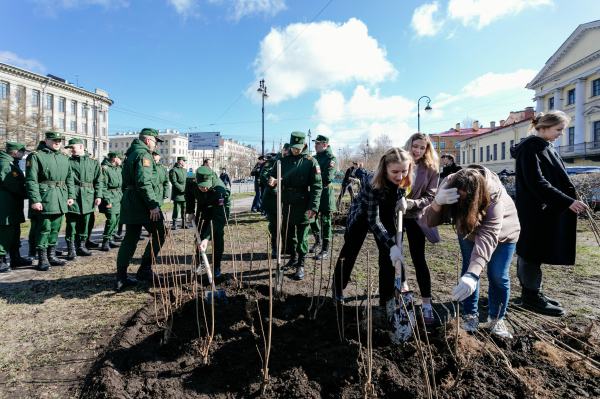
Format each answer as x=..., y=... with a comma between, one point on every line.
x=579, y=150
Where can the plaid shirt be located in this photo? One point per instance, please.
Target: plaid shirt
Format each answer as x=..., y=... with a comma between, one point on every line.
x=366, y=203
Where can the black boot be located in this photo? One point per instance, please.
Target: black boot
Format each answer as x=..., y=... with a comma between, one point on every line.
x=3, y=266
x=127, y=282
x=52, y=259
x=537, y=302
x=145, y=272
x=17, y=260
x=82, y=250
x=174, y=225
x=325, y=251
x=91, y=244
x=112, y=243
x=105, y=247
x=317, y=247
x=72, y=254
x=551, y=300
x=43, y=264
x=32, y=252
x=300, y=268
x=293, y=262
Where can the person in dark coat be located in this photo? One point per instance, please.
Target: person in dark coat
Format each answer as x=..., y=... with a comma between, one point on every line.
x=257, y=184
x=449, y=166
x=547, y=207
x=225, y=178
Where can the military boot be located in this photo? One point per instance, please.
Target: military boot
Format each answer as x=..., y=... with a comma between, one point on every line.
x=119, y=233
x=43, y=264
x=3, y=266
x=127, y=282
x=52, y=259
x=325, y=251
x=105, y=247
x=539, y=303
x=72, y=254
x=112, y=243
x=32, y=252
x=174, y=225
x=91, y=244
x=82, y=250
x=145, y=272
x=300, y=268
x=17, y=260
x=317, y=247
x=293, y=262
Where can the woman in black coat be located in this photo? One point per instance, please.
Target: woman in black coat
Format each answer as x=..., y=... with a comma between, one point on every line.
x=547, y=208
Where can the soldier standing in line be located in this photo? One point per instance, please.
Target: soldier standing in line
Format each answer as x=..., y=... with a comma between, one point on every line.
x=299, y=171
x=112, y=194
x=88, y=194
x=12, y=198
x=177, y=176
x=89, y=243
x=51, y=190
x=269, y=199
x=140, y=208
x=162, y=188
x=31, y=214
x=327, y=161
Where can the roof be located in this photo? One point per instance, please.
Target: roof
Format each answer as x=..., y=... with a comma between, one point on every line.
x=505, y=126
x=463, y=132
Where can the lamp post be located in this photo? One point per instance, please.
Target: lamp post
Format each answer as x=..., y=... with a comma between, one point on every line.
x=262, y=89
x=95, y=116
x=427, y=109
x=309, y=142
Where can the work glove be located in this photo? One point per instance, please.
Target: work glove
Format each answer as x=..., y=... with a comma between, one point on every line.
x=401, y=205
x=466, y=286
x=410, y=204
x=396, y=255
x=446, y=196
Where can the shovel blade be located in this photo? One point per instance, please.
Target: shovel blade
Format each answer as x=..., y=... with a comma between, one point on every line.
x=220, y=298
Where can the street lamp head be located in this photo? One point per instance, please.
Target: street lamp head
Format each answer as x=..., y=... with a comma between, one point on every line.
x=260, y=89
x=428, y=108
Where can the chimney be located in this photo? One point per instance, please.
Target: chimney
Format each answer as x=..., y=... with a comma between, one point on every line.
x=492, y=125
x=512, y=115
x=476, y=125
x=458, y=127
x=529, y=113
x=502, y=122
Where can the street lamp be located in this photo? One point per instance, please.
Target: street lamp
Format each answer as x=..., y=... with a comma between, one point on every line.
x=427, y=109
x=309, y=142
x=263, y=90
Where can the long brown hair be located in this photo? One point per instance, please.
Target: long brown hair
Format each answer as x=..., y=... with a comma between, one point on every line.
x=393, y=155
x=466, y=219
x=430, y=158
x=547, y=120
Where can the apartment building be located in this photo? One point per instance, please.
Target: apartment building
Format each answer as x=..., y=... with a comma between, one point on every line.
x=449, y=142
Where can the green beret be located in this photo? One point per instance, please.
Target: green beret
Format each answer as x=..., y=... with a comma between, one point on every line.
x=14, y=146
x=181, y=159
x=204, y=176
x=297, y=140
x=155, y=152
x=74, y=141
x=54, y=135
x=321, y=139
x=114, y=154
x=151, y=132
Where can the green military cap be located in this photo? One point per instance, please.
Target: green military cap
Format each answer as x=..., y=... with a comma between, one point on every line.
x=181, y=159
x=286, y=145
x=114, y=154
x=54, y=135
x=74, y=141
x=155, y=152
x=204, y=176
x=151, y=132
x=321, y=139
x=297, y=140
x=14, y=146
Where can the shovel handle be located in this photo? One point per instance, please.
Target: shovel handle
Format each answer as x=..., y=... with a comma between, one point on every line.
x=204, y=258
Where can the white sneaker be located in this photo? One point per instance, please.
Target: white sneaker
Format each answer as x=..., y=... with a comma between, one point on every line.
x=498, y=327
x=427, y=313
x=470, y=322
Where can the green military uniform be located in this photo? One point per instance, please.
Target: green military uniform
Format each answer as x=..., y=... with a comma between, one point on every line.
x=327, y=161
x=49, y=181
x=139, y=197
x=88, y=187
x=162, y=187
x=299, y=173
x=12, y=198
x=30, y=212
x=112, y=194
x=177, y=176
x=269, y=199
x=211, y=207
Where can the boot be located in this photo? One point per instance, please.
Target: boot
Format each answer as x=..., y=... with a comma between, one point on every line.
x=174, y=225
x=52, y=259
x=112, y=243
x=119, y=235
x=3, y=266
x=43, y=264
x=32, y=252
x=317, y=247
x=128, y=282
x=91, y=244
x=537, y=302
x=551, y=301
x=325, y=251
x=72, y=254
x=105, y=247
x=82, y=250
x=300, y=268
x=145, y=272
x=293, y=262
x=17, y=260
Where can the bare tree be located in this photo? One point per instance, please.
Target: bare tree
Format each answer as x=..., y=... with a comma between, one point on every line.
x=467, y=122
x=15, y=124
x=242, y=163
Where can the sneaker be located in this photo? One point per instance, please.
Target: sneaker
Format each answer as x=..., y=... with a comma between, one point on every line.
x=427, y=313
x=498, y=327
x=470, y=322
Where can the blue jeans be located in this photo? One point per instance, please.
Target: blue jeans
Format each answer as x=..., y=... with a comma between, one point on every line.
x=257, y=200
x=499, y=280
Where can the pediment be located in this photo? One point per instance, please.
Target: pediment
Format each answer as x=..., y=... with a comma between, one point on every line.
x=592, y=110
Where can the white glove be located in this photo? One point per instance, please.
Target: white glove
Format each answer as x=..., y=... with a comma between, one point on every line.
x=396, y=255
x=401, y=205
x=446, y=196
x=410, y=204
x=466, y=286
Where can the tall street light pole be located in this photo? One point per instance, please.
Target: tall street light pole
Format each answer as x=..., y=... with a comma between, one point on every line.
x=262, y=89
x=309, y=142
x=427, y=109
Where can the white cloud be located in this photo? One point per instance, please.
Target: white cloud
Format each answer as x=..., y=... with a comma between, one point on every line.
x=186, y=8
x=268, y=8
x=50, y=7
x=491, y=83
x=169, y=114
x=12, y=59
x=480, y=13
x=271, y=117
x=442, y=96
x=326, y=54
x=423, y=20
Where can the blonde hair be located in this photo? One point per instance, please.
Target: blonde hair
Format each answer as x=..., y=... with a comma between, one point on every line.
x=430, y=158
x=393, y=155
x=547, y=120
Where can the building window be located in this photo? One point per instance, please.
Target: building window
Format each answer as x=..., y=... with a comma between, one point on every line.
x=161, y=151
x=596, y=88
x=503, y=151
x=435, y=145
x=572, y=135
x=458, y=157
x=480, y=154
x=104, y=131
x=487, y=153
x=73, y=126
x=83, y=127
x=94, y=144
x=104, y=116
x=173, y=150
x=83, y=111
x=49, y=101
x=94, y=129
x=34, y=118
x=127, y=144
x=173, y=142
x=443, y=145
x=62, y=104
x=473, y=156
x=450, y=144
x=94, y=114
x=110, y=145
x=550, y=103
x=597, y=131
x=85, y=143
x=35, y=98
x=48, y=121
x=512, y=144
x=464, y=159
x=61, y=124
x=495, y=152
x=20, y=95
x=73, y=107
x=571, y=97
x=104, y=146
x=3, y=90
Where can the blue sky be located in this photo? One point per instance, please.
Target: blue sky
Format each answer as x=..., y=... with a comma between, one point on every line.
x=355, y=73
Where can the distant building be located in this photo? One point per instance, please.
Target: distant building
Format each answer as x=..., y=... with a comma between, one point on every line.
x=449, y=142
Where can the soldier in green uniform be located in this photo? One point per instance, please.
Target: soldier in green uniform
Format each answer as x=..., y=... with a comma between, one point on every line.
x=327, y=161
x=299, y=172
x=88, y=194
x=31, y=214
x=112, y=194
x=140, y=208
x=162, y=188
x=51, y=190
x=177, y=176
x=12, y=198
x=269, y=198
x=209, y=197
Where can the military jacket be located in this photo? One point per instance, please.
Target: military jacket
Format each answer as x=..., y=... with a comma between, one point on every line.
x=112, y=188
x=88, y=183
x=301, y=191
x=162, y=187
x=269, y=198
x=210, y=206
x=12, y=191
x=49, y=180
x=327, y=161
x=177, y=176
x=139, y=184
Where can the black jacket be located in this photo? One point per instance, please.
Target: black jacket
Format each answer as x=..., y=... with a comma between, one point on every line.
x=350, y=174
x=256, y=173
x=448, y=170
x=225, y=179
x=544, y=193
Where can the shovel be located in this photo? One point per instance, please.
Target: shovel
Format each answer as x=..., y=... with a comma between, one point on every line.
x=220, y=296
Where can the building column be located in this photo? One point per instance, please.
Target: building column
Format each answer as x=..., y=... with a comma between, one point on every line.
x=539, y=104
x=558, y=99
x=579, y=110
